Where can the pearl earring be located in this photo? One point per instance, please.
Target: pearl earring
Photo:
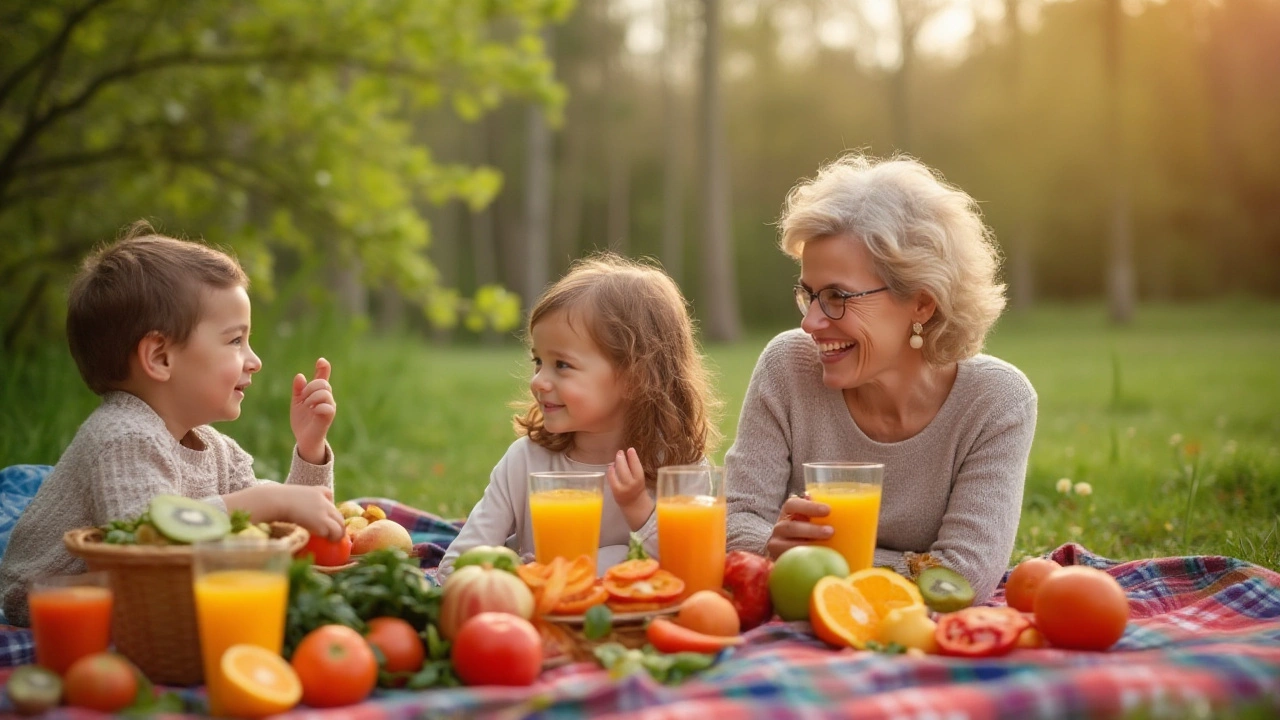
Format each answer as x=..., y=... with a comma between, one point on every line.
x=916, y=341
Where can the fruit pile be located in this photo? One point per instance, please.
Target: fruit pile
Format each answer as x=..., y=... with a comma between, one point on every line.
x=178, y=520
x=368, y=529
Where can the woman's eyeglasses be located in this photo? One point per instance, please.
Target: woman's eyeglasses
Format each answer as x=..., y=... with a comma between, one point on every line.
x=831, y=300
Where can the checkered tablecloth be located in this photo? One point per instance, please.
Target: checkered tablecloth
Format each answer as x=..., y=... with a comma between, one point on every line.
x=1204, y=641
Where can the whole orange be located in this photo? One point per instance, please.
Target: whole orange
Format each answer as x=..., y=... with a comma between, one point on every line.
x=105, y=682
x=1024, y=581
x=710, y=613
x=1081, y=608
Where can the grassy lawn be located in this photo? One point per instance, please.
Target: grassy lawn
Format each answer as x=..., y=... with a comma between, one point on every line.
x=1174, y=422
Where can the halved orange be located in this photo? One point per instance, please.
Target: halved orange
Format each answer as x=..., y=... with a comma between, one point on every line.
x=840, y=614
x=257, y=682
x=885, y=589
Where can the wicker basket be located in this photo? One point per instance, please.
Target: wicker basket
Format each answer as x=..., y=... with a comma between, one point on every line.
x=573, y=645
x=153, y=620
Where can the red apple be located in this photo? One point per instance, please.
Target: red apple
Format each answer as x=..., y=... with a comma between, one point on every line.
x=746, y=580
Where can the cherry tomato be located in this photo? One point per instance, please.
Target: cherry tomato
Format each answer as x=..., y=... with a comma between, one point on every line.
x=328, y=552
x=336, y=667
x=661, y=586
x=1024, y=581
x=632, y=570
x=105, y=682
x=398, y=642
x=669, y=637
x=979, y=631
x=495, y=648
x=1081, y=608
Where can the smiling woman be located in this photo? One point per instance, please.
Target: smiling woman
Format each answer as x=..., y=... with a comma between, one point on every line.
x=898, y=290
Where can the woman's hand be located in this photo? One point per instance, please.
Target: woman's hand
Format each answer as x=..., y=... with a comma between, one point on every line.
x=312, y=412
x=626, y=480
x=793, y=527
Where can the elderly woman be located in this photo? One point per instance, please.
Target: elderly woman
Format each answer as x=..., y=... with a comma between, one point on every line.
x=898, y=290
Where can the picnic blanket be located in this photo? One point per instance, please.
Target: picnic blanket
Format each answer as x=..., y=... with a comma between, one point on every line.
x=1203, y=641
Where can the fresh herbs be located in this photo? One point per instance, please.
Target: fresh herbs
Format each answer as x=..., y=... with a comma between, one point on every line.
x=666, y=668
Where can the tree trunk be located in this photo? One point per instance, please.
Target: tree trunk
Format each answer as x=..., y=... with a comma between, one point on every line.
x=719, y=287
x=673, y=150
x=1121, y=294
x=1021, y=250
x=538, y=197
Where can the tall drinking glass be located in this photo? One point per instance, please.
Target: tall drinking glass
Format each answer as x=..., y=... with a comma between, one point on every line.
x=70, y=618
x=565, y=509
x=852, y=491
x=691, y=525
x=241, y=591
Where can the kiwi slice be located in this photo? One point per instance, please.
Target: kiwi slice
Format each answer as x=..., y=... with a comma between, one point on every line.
x=944, y=589
x=34, y=690
x=186, y=520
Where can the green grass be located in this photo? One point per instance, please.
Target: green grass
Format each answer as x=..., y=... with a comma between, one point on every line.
x=1174, y=422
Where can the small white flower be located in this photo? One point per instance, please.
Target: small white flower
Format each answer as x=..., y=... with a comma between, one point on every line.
x=1083, y=488
x=1175, y=439
x=1064, y=486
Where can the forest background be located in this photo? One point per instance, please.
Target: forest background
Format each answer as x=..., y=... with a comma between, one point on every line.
x=400, y=178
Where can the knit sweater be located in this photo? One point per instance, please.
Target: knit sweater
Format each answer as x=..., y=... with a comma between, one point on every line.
x=121, y=457
x=954, y=490
x=502, y=515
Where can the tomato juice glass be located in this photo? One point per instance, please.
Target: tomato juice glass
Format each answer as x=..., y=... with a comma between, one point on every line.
x=852, y=491
x=70, y=618
x=565, y=509
x=691, y=525
x=241, y=588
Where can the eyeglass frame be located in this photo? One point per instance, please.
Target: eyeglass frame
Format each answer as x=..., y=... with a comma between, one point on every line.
x=801, y=293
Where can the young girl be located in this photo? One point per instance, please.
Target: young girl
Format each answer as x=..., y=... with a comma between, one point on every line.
x=618, y=386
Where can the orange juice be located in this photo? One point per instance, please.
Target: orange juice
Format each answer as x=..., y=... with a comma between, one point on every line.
x=235, y=607
x=69, y=623
x=691, y=540
x=855, y=512
x=566, y=523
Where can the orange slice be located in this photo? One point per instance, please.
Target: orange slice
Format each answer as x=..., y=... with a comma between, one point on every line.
x=257, y=682
x=885, y=589
x=840, y=614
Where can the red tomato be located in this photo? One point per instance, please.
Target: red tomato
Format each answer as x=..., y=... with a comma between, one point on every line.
x=328, y=552
x=336, y=667
x=669, y=637
x=661, y=586
x=1024, y=581
x=979, y=631
x=105, y=682
x=398, y=642
x=495, y=648
x=1081, y=608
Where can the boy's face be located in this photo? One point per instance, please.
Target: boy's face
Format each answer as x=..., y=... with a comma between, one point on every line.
x=212, y=370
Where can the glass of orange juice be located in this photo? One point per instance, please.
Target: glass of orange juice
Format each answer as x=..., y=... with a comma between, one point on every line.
x=852, y=491
x=565, y=508
x=691, y=525
x=70, y=618
x=241, y=590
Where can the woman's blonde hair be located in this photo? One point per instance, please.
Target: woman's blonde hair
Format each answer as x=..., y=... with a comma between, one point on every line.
x=639, y=320
x=923, y=234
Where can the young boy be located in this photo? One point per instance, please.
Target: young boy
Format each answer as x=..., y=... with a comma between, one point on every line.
x=160, y=329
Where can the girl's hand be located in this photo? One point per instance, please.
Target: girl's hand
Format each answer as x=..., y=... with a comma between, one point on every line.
x=311, y=413
x=626, y=480
x=793, y=526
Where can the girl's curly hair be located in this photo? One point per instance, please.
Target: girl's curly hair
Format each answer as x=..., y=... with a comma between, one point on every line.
x=640, y=321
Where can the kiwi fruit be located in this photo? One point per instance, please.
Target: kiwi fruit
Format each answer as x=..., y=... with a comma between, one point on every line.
x=944, y=589
x=186, y=520
x=34, y=690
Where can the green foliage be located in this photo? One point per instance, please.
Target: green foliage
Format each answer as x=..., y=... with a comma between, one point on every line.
x=284, y=129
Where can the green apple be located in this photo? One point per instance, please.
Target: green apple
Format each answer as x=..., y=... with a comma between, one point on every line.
x=795, y=573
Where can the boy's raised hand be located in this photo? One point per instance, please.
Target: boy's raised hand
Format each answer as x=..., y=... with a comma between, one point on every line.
x=626, y=480
x=311, y=412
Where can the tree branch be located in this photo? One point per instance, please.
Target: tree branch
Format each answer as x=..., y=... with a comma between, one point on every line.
x=54, y=49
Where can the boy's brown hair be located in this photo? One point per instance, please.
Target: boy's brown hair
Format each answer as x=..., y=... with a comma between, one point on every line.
x=637, y=317
x=142, y=283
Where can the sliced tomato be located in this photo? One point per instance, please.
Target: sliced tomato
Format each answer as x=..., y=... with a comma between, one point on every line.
x=669, y=637
x=579, y=604
x=633, y=570
x=661, y=586
x=980, y=631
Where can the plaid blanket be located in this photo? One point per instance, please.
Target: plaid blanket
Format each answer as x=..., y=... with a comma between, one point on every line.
x=1204, y=641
